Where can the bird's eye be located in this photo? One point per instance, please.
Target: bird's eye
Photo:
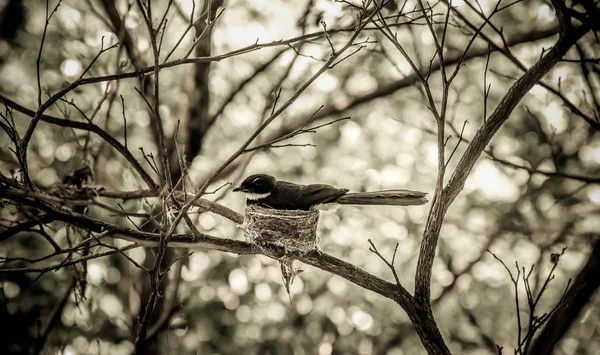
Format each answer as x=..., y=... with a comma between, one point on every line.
x=257, y=181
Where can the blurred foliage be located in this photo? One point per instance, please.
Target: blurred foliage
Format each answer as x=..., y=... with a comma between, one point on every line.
x=232, y=304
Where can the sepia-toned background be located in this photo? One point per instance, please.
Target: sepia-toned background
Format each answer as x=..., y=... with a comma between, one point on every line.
x=360, y=119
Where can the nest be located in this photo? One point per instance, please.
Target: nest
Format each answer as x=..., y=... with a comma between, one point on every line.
x=293, y=230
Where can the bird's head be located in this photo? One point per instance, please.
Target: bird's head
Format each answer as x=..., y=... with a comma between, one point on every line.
x=257, y=187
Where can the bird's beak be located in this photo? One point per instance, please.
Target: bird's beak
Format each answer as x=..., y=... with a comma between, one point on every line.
x=238, y=189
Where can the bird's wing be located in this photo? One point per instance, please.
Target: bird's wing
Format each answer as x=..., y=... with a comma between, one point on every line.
x=317, y=194
x=306, y=196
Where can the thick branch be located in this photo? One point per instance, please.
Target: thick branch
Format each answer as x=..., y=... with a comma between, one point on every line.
x=503, y=111
x=205, y=204
x=473, y=152
x=577, y=298
x=21, y=227
x=204, y=241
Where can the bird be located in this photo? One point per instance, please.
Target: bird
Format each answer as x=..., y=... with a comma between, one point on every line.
x=267, y=191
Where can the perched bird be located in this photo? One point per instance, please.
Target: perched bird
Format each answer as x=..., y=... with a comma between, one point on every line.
x=265, y=190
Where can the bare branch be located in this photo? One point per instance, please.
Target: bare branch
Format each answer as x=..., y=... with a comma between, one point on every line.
x=390, y=264
x=91, y=127
x=476, y=147
x=268, y=121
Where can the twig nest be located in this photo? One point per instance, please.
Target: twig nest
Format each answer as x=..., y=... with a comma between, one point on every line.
x=292, y=230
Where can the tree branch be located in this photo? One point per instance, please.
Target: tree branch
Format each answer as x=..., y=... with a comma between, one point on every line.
x=473, y=152
x=578, y=296
x=389, y=89
x=90, y=127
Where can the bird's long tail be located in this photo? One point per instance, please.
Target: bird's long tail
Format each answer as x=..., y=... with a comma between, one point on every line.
x=395, y=197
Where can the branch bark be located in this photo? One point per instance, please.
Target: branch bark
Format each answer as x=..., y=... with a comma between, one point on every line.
x=417, y=307
x=473, y=152
x=433, y=342
x=578, y=296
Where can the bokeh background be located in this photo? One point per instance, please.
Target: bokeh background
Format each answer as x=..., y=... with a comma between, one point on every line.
x=228, y=304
